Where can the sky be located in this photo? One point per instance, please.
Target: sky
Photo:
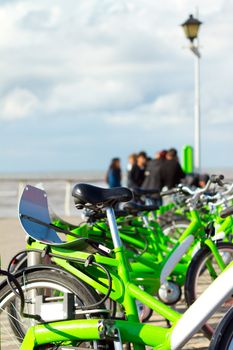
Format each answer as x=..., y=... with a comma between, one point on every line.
x=82, y=81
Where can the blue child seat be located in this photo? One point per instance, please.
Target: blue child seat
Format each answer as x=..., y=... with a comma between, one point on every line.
x=33, y=204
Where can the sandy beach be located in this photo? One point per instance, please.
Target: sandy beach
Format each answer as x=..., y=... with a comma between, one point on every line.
x=12, y=239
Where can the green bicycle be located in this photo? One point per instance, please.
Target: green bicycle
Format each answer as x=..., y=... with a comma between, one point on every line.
x=117, y=283
x=113, y=282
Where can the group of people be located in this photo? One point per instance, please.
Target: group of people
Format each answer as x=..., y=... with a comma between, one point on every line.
x=164, y=170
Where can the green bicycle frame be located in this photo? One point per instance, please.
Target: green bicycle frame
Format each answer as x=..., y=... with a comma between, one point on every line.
x=125, y=292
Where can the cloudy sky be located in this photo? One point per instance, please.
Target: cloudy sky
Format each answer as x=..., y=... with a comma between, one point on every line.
x=82, y=81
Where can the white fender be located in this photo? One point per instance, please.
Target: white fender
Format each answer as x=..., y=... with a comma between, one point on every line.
x=175, y=258
x=202, y=309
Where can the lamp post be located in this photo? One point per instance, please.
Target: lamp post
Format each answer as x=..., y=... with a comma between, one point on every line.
x=191, y=29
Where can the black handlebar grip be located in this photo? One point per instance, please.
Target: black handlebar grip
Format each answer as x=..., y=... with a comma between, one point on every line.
x=217, y=179
x=226, y=212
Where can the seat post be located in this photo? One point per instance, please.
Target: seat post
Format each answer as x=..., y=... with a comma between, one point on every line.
x=145, y=221
x=113, y=227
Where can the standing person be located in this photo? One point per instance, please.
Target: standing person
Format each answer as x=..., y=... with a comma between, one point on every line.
x=171, y=171
x=152, y=179
x=113, y=177
x=137, y=174
x=132, y=160
x=203, y=179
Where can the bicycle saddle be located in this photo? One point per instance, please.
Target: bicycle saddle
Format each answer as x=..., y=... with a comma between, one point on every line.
x=92, y=196
x=144, y=192
x=134, y=207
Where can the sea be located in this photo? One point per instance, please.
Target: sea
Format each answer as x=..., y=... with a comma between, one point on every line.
x=58, y=186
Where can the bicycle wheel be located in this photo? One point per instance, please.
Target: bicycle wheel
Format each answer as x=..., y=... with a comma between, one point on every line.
x=223, y=337
x=174, y=229
x=52, y=286
x=199, y=277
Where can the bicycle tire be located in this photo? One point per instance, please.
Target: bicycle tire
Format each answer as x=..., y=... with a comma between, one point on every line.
x=85, y=295
x=174, y=229
x=195, y=270
x=223, y=337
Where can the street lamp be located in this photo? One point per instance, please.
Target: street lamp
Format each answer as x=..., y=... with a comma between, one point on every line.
x=191, y=29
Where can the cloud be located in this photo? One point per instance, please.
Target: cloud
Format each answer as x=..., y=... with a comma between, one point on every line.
x=113, y=68
x=42, y=19
x=164, y=111
x=93, y=95
x=18, y=104
x=221, y=115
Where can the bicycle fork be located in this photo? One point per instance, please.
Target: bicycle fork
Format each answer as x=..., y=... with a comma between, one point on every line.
x=219, y=259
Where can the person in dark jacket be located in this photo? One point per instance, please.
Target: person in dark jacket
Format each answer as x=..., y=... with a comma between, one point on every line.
x=152, y=179
x=153, y=176
x=136, y=175
x=113, y=177
x=171, y=171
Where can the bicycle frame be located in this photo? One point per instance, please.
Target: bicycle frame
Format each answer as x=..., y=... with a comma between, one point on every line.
x=131, y=330
x=177, y=258
x=143, y=272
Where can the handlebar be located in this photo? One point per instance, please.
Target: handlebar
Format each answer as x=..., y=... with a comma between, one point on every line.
x=169, y=192
x=186, y=190
x=217, y=179
x=220, y=197
x=229, y=189
x=226, y=212
x=196, y=194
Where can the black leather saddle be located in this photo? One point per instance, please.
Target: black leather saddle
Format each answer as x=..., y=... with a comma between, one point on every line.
x=133, y=207
x=92, y=196
x=144, y=192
